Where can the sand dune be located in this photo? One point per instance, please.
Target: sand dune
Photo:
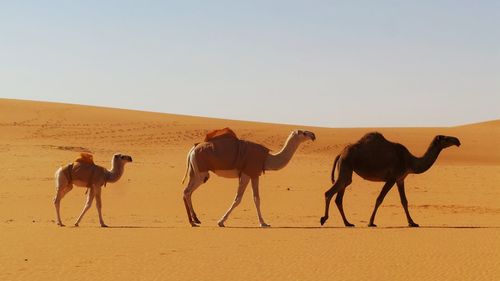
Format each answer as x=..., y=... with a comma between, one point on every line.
x=457, y=203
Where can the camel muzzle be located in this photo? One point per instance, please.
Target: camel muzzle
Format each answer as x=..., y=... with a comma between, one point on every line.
x=311, y=135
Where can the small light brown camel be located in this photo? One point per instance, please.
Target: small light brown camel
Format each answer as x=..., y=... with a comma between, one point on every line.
x=230, y=157
x=84, y=173
x=376, y=159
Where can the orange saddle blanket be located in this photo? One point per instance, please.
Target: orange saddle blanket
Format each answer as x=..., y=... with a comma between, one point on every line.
x=86, y=158
x=222, y=150
x=83, y=169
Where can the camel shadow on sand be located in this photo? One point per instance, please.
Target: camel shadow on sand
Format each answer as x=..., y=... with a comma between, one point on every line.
x=304, y=227
x=365, y=227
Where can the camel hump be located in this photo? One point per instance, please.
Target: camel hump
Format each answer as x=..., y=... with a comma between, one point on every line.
x=373, y=136
x=226, y=132
x=85, y=158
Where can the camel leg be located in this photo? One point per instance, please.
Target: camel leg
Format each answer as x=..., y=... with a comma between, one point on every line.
x=190, y=218
x=243, y=182
x=404, y=202
x=256, y=199
x=339, y=185
x=98, y=204
x=190, y=202
x=193, y=213
x=388, y=185
x=338, y=201
x=60, y=193
x=345, y=179
x=88, y=204
x=193, y=184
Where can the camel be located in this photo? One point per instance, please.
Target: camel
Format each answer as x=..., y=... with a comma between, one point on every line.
x=229, y=157
x=84, y=173
x=376, y=159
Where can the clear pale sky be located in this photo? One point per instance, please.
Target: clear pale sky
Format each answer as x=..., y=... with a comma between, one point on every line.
x=324, y=63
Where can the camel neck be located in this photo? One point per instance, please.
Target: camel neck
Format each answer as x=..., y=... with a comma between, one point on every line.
x=279, y=160
x=422, y=164
x=116, y=171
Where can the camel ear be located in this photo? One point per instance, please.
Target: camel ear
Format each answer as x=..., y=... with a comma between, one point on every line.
x=440, y=138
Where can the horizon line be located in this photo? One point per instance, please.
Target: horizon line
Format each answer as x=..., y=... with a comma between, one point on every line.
x=250, y=121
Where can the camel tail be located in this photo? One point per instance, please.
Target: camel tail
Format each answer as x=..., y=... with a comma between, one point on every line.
x=334, y=165
x=188, y=164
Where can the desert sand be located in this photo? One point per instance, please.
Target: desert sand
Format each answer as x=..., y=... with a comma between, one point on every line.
x=456, y=202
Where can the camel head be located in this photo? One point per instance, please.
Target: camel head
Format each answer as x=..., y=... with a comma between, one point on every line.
x=445, y=141
x=303, y=136
x=121, y=158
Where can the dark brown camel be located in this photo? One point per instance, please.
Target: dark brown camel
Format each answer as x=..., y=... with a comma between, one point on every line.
x=376, y=159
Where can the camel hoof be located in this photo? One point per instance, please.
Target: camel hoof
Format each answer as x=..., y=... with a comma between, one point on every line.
x=61, y=224
x=323, y=220
x=265, y=225
x=76, y=225
x=103, y=225
x=372, y=225
x=197, y=221
x=414, y=225
x=221, y=224
x=349, y=225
